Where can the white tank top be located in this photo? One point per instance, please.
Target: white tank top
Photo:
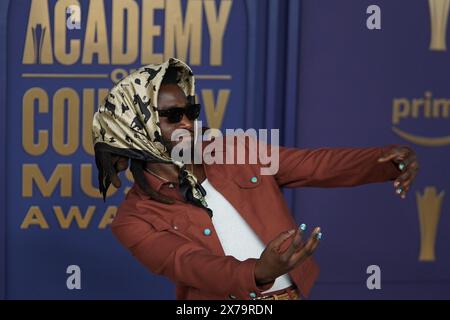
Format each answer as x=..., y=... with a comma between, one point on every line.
x=237, y=238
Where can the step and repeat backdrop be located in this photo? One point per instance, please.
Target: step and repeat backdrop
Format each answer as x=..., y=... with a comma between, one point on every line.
x=376, y=73
x=326, y=73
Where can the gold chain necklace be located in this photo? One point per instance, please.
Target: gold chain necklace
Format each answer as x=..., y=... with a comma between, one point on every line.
x=162, y=178
x=154, y=174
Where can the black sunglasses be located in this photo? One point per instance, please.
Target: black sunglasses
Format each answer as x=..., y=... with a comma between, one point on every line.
x=174, y=115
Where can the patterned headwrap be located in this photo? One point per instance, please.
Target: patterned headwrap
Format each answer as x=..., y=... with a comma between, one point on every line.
x=127, y=124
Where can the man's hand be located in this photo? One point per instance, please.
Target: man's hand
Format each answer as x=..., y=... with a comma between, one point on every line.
x=275, y=262
x=406, y=160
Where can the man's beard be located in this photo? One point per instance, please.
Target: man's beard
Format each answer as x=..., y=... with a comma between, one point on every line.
x=169, y=146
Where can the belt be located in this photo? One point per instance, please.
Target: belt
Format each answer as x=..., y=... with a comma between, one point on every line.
x=289, y=293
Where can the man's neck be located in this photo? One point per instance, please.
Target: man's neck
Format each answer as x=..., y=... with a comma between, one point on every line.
x=169, y=171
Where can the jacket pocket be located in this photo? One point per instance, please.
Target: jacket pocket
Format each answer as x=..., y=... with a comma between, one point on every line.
x=159, y=224
x=177, y=223
x=248, y=179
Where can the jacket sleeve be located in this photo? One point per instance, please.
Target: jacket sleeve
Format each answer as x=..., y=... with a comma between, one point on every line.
x=333, y=167
x=187, y=263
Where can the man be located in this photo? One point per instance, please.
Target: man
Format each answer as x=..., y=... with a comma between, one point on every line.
x=218, y=231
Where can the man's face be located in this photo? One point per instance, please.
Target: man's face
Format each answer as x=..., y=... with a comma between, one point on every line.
x=171, y=96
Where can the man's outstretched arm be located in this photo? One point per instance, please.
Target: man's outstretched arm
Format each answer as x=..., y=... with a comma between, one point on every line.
x=345, y=167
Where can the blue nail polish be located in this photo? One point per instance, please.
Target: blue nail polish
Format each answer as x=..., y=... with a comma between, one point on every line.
x=302, y=227
x=319, y=235
x=399, y=190
x=401, y=166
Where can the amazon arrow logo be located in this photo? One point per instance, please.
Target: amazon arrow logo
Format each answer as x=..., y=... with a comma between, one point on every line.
x=427, y=108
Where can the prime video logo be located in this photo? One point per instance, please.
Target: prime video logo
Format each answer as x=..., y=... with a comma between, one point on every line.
x=236, y=147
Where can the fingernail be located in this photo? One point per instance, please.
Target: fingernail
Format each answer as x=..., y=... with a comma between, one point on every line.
x=319, y=235
x=401, y=166
x=302, y=227
x=399, y=190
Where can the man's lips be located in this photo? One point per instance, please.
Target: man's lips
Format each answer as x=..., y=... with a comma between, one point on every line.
x=183, y=136
x=186, y=137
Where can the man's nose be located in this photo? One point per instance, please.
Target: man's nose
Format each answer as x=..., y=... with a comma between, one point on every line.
x=185, y=123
